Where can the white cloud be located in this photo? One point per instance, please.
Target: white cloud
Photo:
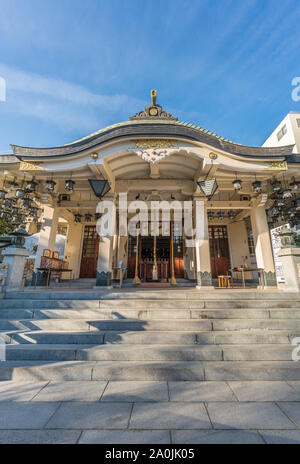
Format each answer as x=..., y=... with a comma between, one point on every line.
x=61, y=102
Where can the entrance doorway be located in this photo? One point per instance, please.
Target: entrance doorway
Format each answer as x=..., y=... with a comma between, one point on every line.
x=163, y=255
x=219, y=250
x=90, y=249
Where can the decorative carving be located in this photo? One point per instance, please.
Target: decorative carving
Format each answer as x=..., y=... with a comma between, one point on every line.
x=204, y=279
x=25, y=166
x=277, y=166
x=153, y=143
x=153, y=150
x=103, y=279
x=152, y=156
x=153, y=111
x=270, y=279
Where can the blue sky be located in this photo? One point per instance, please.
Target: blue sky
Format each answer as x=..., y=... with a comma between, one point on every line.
x=73, y=66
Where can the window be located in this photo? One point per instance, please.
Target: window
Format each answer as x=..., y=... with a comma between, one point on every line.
x=281, y=133
x=298, y=122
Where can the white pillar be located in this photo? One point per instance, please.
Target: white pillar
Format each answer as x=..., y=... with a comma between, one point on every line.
x=104, y=265
x=290, y=259
x=73, y=248
x=263, y=246
x=47, y=235
x=202, y=251
x=15, y=258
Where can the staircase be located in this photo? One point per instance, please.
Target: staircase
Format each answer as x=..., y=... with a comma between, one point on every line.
x=149, y=335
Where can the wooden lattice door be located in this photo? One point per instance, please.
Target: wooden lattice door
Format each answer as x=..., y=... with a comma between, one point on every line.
x=90, y=251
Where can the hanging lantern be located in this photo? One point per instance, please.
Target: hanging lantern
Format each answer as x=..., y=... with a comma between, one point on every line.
x=20, y=193
x=31, y=185
x=2, y=194
x=287, y=193
x=50, y=185
x=276, y=186
x=69, y=185
x=237, y=184
x=231, y=214
x=100, y=187
x=210, y=215
x=221, y=215
x=274, y=211
x=77, y=218
x=88, y=217
x=27, y=202
x=208, y=187
x=8, y=202
x=280, y=202
x=293, y=211
x=294, y=185
x=256, y=186
x=13, y=184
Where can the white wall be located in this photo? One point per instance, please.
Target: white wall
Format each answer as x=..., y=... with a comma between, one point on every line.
x=291, y=137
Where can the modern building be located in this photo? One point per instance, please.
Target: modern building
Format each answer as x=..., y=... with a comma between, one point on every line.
x=235, y=193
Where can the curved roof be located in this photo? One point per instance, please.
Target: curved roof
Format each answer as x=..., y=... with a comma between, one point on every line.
x=151, y=128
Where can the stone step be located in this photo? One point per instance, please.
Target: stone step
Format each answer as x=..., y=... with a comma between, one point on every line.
x=146, y=304
x=113, y=353
x=141, y=314
x=148, y=352
x=149, y=370
x=248, y=337
x=102, y=325
x=121, y=325
x=136, y=294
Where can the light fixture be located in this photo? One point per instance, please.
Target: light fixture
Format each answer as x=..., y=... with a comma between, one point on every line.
x=276, y=186
x=31, y=185
x=287, y=193
x=231, y=214
x=13, y=184
x=20, y=193
x=50, y=185
x=8, y=202
x=77, y=217
x=294, y=185
x=210, y=215
x=221, y=215
x=27, y=202
x=99, y=187
x=69, y=185
x=87, y=217
x=208, y=187
x=280, y=202
x=293, y=211
x=2, y=194
x=256, y=186
x=237, y=184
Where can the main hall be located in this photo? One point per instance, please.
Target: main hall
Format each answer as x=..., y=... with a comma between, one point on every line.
x=238, y=193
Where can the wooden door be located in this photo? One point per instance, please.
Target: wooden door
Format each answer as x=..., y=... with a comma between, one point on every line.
x=219, y=250
x=90, y=250
x=178, y=256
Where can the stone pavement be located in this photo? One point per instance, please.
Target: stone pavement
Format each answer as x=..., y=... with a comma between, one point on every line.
x=150, y=412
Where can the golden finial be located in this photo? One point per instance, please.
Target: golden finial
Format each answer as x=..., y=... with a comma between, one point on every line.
x=153, y=96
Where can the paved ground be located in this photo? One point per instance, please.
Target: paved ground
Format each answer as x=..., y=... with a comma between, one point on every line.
x=150, y=412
